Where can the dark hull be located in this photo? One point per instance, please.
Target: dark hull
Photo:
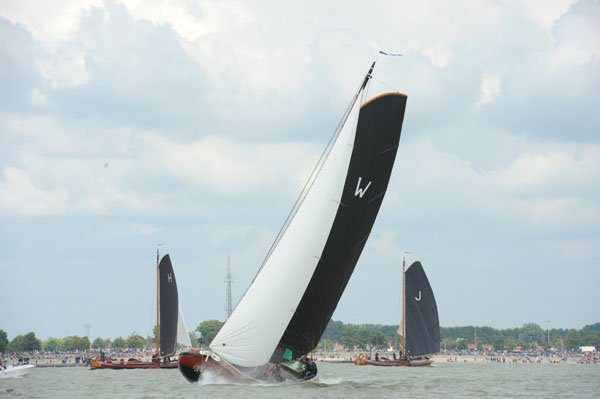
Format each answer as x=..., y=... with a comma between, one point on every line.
x=97, y=365
x=394, y=363
x=195, y=365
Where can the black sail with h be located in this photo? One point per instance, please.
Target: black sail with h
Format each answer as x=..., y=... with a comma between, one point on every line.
x=169, y=307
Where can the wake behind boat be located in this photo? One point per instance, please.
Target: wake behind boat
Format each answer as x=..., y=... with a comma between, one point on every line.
x=420, y=327
x=170, y=325
x=284, y=312
x=15, y=371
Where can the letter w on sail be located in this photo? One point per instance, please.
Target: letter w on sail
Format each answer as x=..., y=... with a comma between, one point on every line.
x=361, y=191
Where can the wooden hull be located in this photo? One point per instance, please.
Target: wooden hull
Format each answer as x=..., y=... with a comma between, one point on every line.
x=195, y=366
x=97, y=365
x=393, y=363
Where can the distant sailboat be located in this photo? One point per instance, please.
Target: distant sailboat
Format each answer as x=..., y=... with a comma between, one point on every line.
x=284, y=312
x=420, y=326
x=170, y=325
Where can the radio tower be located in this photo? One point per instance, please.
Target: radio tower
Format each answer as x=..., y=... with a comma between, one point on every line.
x=228, y=281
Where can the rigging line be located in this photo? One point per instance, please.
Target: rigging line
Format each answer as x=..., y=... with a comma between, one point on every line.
x=309, y=183
x=387, y=85
x=311, y=179
x=365, y=93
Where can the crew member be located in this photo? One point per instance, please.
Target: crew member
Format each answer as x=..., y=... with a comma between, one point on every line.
x=311, y=368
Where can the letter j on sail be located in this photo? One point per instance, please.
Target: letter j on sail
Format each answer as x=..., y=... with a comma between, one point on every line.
x=361, y=191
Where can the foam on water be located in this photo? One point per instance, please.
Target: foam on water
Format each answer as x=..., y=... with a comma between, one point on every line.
x=332, y=381
x=210, y=378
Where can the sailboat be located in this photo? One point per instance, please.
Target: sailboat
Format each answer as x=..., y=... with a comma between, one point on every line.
x=170, y=325
x=283, y=314
x=420, y=326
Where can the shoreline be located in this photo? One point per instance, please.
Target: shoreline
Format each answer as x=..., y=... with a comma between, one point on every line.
x=474, y=358
x=78, y=359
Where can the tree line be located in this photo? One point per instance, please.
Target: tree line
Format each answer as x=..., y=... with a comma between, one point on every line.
x=530, y=335
x=362, y=336
x=30, y=343
x=367, y=336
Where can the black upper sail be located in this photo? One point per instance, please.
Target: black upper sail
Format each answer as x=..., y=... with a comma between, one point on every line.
x=169, y=307
x=422, y=324
x=375, y=145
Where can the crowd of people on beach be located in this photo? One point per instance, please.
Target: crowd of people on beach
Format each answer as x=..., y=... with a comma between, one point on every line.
x=83, y=358
x=76, y=358
x=531, y=356
x=590, y=358
x=466, y=356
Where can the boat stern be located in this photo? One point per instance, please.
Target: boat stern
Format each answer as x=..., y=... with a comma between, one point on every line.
x=96, y=364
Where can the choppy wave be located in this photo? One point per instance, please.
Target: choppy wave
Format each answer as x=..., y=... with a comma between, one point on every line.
x=336, y=381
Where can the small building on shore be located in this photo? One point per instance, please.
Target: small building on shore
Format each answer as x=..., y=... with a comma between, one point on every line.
x=587, y=349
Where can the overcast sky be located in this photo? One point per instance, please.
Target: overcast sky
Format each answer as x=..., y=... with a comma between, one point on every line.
x=125, y=124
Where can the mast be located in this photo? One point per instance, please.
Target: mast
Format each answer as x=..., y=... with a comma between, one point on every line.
x=403, y=306
x=228, y=281
x=367, y=77
x=157, y=304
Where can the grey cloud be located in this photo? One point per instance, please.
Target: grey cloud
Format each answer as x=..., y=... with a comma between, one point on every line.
x=17, y=62
x=140, y=76
x=542, y=98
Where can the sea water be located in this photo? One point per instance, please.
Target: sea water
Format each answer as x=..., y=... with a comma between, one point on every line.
x=337, y=381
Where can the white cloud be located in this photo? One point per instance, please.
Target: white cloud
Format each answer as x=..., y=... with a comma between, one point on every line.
x=145, y=229
x=229, y=167
x=64, y=67
x=38, y=99
x=438, y=57
x=223, y=233
x=543, y=192
x=49, y=22
x=191, y=20
x=561, y=171
x=20, y=196
x=545, y=12
x=54, y=26
x=490, y=88
x=578, y=36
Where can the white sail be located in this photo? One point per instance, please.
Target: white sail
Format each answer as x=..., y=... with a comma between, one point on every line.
x=254, y=329
x=183, y=337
